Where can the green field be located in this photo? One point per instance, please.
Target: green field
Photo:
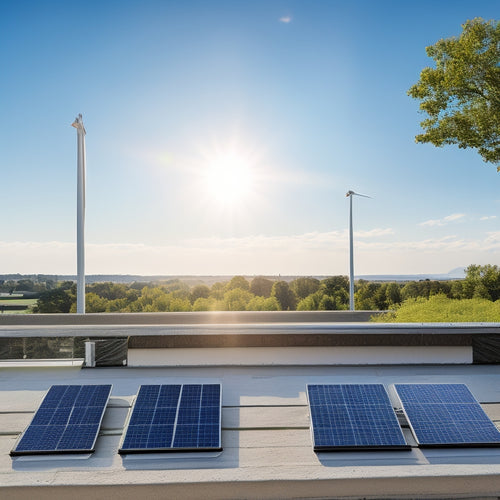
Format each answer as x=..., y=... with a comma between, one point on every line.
x=17, y=302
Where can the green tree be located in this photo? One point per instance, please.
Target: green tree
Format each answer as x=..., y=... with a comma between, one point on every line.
x=179, y=305
x=150, y=300
x=439, y=308
x=335, y=283
x=94, y=303
x=203, y=304
x=181, y=294
x=410, y=291
x=337, y=288
x=393, y=294
x=461, y=95
x=364, y=295
x=25, y=285
x=328, y=303
x=284, y=295
x=238, y=282
x=199, y=292
x=482, y=282
x=117, y=305
x=311, y=302
x=259, y=303
x=456, y=291
x=176, y=285
x=303, y=287
x=54, y=301
x=112, y=291
x=261, y=286
x=380, y=298
x=237, y=299
x=217, y=290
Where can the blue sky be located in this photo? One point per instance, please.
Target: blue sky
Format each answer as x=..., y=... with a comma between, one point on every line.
x=304, y=100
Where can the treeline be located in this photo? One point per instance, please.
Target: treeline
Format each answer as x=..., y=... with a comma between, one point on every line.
x=26, y=285
x=440, y=308
x=476, y=298
x=238, y=294
x=263, y=294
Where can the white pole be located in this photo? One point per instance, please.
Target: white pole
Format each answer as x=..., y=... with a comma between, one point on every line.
x=80, y=216
x=350, y=194
x=351, y=258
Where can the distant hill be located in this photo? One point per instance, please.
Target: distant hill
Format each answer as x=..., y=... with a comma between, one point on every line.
x=457, y=273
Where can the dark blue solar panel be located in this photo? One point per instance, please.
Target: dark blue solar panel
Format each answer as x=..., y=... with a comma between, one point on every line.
x=168, y=396
x=174, y=418
x=446, y=415
x=67, y=421
x=353, y=417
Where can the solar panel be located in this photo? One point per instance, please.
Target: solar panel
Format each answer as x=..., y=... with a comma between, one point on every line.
x=353, y=416
x=169, y=418
x=442, y=415
x=67, y=421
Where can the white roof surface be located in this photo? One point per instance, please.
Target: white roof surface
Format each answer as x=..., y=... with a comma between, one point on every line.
x=265, y=435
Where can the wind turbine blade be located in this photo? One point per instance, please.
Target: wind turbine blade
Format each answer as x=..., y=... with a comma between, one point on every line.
x=351, y=193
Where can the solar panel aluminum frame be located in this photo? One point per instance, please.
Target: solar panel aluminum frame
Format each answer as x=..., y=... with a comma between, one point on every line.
x=171, y=449
x=343, y=448
x=443, y=445
x=18, y=453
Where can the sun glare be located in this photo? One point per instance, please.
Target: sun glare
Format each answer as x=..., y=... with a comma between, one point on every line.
x=229, y=178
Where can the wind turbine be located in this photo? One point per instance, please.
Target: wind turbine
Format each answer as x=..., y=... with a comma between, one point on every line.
x=349, y=195
x=80, y=216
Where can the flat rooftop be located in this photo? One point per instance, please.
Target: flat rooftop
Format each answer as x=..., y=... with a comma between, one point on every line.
x=266, y=436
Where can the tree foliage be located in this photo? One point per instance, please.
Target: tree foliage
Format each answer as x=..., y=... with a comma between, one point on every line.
x=54, y=301
x=461, y=94
x=261, y=286
x=439, y=308
x=259, y=303
x=199, y=292
x=237, y=299
x=304, y=286
x=332, y=293
x=238, y=282
x=284, y=295
x=482, y=282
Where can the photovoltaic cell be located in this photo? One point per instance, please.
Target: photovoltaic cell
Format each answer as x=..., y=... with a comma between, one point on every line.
x=174, y=418
x=446, y=415
x=353, y=416
x=67, y=421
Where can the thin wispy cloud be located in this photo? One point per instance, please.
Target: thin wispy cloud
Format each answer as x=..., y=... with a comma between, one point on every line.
x=493, y=238
x=374, y=233
x=488, y=217
x=443, y=221
x=285, y=19
x=320, y=253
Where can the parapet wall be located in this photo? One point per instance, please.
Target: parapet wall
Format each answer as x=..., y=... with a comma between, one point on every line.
x=165, y=334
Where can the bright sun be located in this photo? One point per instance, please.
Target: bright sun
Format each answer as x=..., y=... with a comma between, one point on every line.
x=229, y=178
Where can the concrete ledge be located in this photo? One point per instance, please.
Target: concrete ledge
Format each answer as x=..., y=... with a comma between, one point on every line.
x=41, y=363
x=409, y=486
x=250, y=330
x=190, y=318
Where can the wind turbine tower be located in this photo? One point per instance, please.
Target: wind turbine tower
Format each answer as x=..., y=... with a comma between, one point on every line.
x=80, y=216
x=349, y=195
